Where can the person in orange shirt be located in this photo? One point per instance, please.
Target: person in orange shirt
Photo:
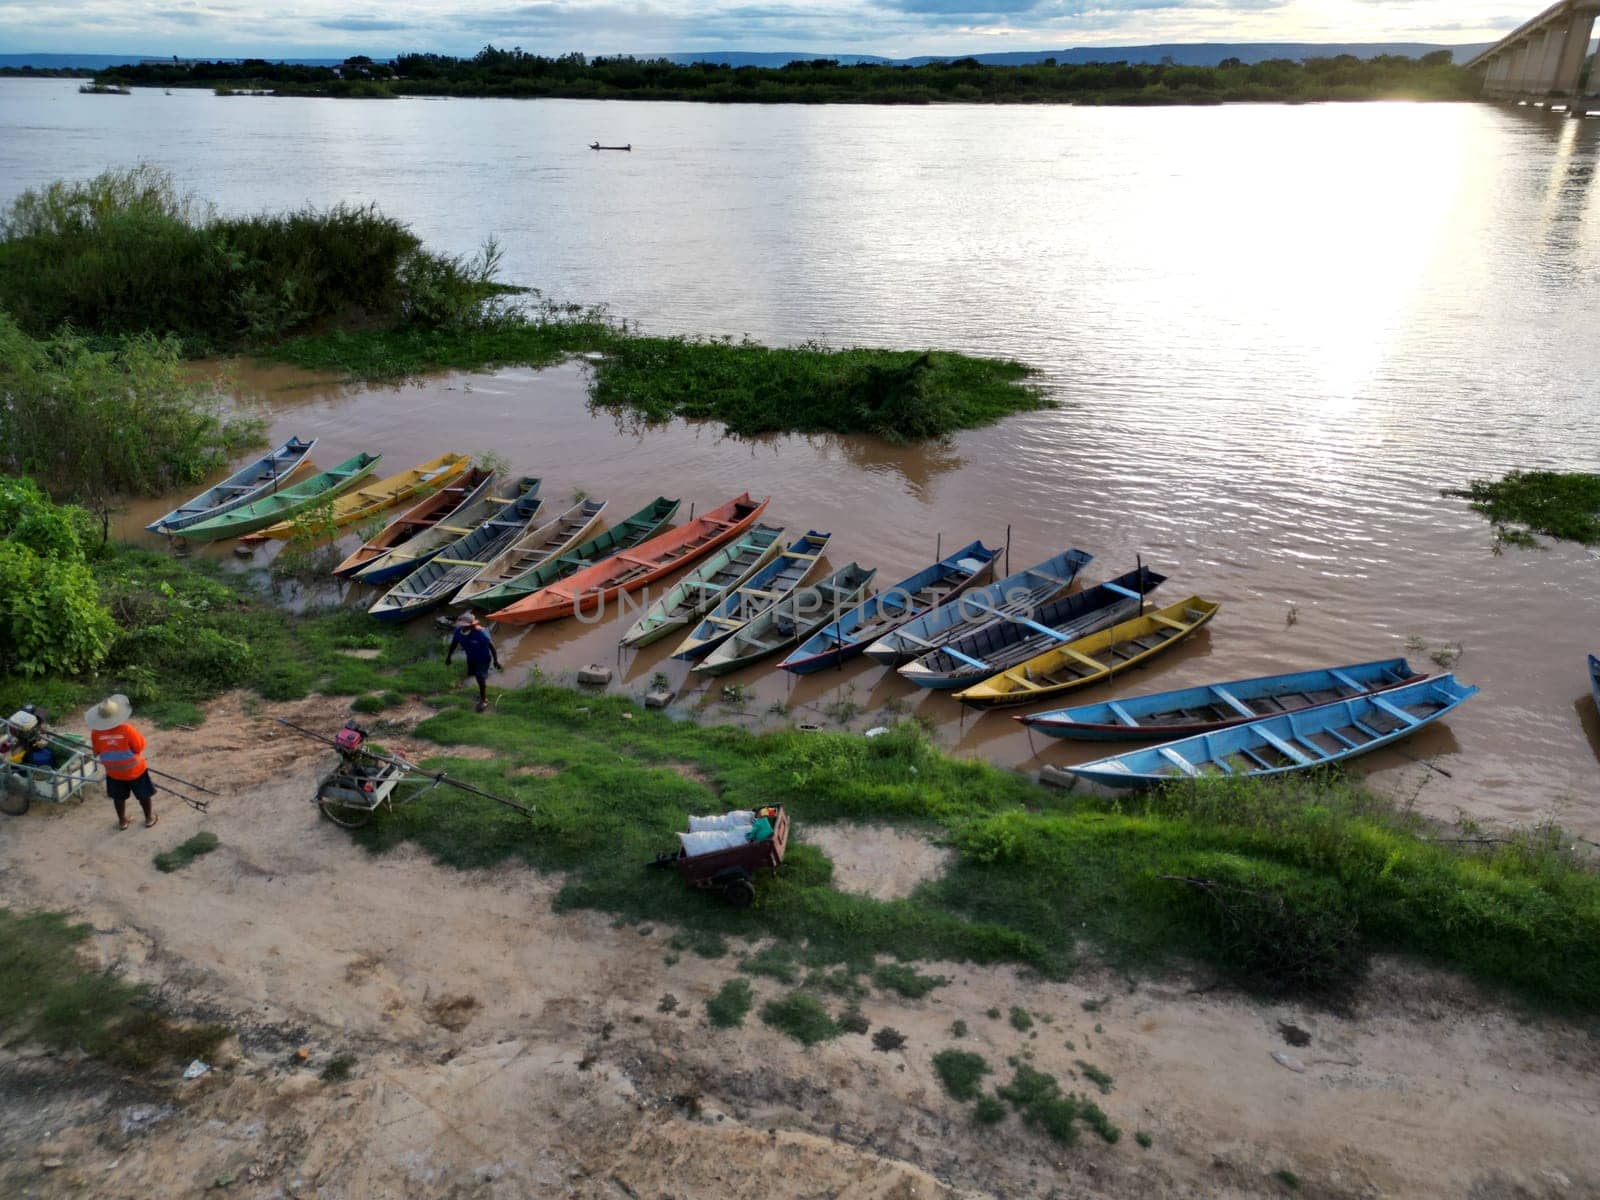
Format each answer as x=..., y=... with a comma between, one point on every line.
x=120, y=748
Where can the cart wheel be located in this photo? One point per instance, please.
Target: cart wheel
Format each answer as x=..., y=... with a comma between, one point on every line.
x=13, y=799
x=344, y=815
x=739, y=893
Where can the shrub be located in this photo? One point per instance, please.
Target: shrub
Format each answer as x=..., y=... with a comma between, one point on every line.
x=802, y=1017
x=729, y=1006
x=906, y=979
x=961, y=1072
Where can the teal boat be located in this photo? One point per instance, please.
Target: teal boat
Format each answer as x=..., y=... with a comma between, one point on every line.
x=285, y=504
x=705, y=586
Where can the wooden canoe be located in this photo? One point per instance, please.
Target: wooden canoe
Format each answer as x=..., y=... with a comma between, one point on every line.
x=459, y=522
x=1021, y=593
x=880, y=614
x=790, y=620
x=1014, y=637
x=705, y=586
x=1095, y=658
x=755, y=595
x=1162, y=716
x=640, y=527
x=372, y=498
x=438, y=579
x=1297, y=741
x=250, y=482
x=590, y=590
x=423, y=515
x=285, y=502
x=536, y=547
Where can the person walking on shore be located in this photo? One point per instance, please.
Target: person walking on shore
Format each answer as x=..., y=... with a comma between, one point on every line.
x=120, y=748
x=472, y=639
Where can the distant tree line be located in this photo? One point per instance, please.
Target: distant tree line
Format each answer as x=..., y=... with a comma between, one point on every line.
x=516, y=73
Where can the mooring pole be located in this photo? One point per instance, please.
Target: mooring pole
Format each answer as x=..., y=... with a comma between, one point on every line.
x=1008, y=548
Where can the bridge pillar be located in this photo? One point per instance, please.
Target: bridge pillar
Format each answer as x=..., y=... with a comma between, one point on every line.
x=1575, y=50
x=1551, y=48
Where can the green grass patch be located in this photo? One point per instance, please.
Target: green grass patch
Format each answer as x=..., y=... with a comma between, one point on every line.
x=1558, y=504
x=186, y=852
x=1144, y=1139
x=730, y=1005
x=1288, y=1178
x=961, y=1072
x=1021, y=1020
x=802, y=1017
x=1101, y=1079
x=989, y=1110
x=338, y=1068
x=776, y=961
x=1038, y=1097
x=906, y=980
x=50, y=998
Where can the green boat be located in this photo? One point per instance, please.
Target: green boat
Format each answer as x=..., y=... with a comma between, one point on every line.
x=704, y=588
x=285, y=504
x=791, y=620
x=640, y=527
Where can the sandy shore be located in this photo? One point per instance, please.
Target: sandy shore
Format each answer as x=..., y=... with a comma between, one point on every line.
x=501, y=1050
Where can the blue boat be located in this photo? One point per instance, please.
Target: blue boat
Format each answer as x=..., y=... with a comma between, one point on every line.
x=1019, y=593
x=774, y=582
x=1594, y=679
x=1009, y=639
x=517, y=507
x=1163, y=716
x=1296, y=741
x=914, y=596
x=249, y=483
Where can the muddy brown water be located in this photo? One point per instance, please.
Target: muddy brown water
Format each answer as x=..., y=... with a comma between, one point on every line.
x=1316, y=580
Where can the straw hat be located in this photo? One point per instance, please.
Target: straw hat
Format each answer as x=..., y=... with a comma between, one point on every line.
x=109, y=713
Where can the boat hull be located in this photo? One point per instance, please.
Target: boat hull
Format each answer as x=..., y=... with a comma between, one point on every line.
x=417, y=519
x=679, y=609
x=376, y=496
x=245, y=486
x=287, y=503
x=1149, y=718
x=1309, y=739
x=763, y=590
x=765, y=635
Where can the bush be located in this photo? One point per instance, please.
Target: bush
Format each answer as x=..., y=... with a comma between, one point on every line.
x=51, y=618
x=126, y=253
x=802, y=1017
x=728, y=1007
x=961, y=1072
x=90, y=424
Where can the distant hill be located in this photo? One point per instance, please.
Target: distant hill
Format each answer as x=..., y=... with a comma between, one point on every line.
x=1192, y=54
x=100, y=62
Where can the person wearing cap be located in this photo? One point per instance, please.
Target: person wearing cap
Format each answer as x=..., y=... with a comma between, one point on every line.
x=473, y=640
x=120, y=748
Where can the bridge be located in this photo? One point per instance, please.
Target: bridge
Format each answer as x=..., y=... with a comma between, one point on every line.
x=1542, y=61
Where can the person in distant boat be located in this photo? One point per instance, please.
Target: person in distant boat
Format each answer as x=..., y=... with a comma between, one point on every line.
x=120, y=748
x=472, y=639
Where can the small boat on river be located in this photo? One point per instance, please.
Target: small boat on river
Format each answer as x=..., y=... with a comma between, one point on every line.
x=640, y=527
x=1021, y=593
x=880, y=614
x=1163, y=716
x=591, y=589
x=1095, y=658
x=370, y=499
x=1296, y=741
x=754, y=596
x=598, y=146
x=790, y=620
x=285, y=502
x=421, y=516
x=250, y=482
x=704, y=587
x=536, y=547
x=447, y=572
x=1014, y=637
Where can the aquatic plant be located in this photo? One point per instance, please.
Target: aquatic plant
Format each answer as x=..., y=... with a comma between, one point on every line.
x=1558, y=504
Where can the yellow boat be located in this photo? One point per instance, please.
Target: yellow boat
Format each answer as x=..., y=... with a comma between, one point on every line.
x=368, y=501
x=1094, y=658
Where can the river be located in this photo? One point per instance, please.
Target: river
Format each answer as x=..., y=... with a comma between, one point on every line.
x=1274, y=333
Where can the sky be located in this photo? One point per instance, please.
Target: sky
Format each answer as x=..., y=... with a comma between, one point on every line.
x=897, y=28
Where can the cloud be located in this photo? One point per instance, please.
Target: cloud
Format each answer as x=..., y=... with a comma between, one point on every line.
x=317, y=28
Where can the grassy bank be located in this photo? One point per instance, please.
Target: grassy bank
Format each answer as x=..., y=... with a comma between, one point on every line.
x=514, y=73
x=78, y=620
x=1558, y=504
x=1281, y=888
x=51, y=998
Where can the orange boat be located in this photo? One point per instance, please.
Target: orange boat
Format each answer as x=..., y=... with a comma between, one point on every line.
x=423, y=515
x=591, y=588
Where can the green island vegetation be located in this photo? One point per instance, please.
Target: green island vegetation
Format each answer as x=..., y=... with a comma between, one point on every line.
x=1558, y=504
x=515, y=73
x=52, y=998
x=146, y=275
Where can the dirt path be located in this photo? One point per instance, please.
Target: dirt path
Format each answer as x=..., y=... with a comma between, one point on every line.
x=503, y=1051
